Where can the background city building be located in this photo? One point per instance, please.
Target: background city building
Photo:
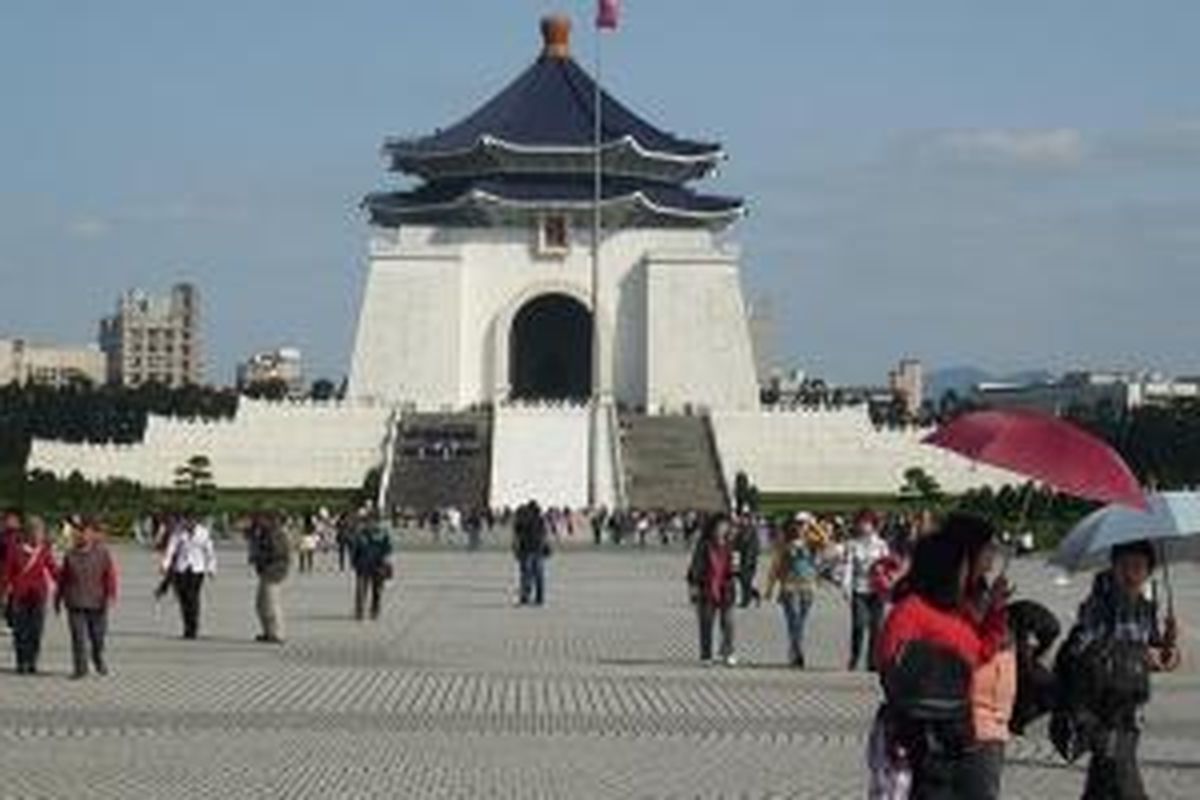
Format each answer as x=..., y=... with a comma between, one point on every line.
x=154, y=339
x=907, y=382
x=283, y=366
x=1089, y=390
x=22, y=361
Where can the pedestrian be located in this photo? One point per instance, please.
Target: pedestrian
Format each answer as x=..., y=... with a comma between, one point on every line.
x=306, y=549
x=994, y=682
x=866, y=606
x=189, y=558
x=746, y=551
x=270, y=557
x=710, y=579
x=530, y=547
x=929, y=649
x=370, y=557
x=29, y=571
x=793, y=570
x=10, y=534
x=1115, y=645
x=343, y=536
x=87, y=586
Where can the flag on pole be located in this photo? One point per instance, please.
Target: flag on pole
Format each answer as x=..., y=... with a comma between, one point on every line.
x=607, y=13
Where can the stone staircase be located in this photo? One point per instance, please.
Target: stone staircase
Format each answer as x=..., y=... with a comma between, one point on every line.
x=670, y=463
x=441, y=461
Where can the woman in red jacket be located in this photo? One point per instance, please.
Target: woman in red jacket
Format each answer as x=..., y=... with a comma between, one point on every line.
x=29, y=571
x=928, y=649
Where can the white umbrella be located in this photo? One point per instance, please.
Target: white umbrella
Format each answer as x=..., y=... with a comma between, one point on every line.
x=1172, y=523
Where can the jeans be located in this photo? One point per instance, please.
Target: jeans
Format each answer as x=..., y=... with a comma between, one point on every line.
x=866, y=615
x=88, y=626
x=707, y=613
x=270, y=614
x=28, y=620
x=1113, y=772
x=368, y=584
x=187, y=591
x=796, y=605
x=533, y=578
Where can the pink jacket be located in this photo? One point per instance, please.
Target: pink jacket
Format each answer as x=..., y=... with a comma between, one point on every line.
x=993, y=691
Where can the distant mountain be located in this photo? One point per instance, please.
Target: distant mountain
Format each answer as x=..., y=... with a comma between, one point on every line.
x=963, y=379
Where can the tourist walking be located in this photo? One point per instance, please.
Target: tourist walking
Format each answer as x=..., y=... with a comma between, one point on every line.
x=746, y=551
x=87, y=586
x=861, y=553
x=189, y=558
x=10, y=534
x=29, y=571
x=270, y=557
x=710, y=582
x=928, y=650
x=370, y=557
x=994, y=682
x=344, y=535
x=306, y=548
x=1115, y=645
x=793, y=571
x=530, y=547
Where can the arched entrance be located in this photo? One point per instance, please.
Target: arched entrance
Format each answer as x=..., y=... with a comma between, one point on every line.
x=550, y=350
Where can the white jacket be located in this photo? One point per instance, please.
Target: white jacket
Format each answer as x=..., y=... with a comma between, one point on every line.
x=190, y=550
x=861, y=554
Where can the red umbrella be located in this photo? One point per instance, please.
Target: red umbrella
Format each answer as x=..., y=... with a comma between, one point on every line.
x=1045, y=448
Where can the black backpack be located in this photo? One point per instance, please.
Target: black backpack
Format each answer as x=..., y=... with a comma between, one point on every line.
x=927, y=689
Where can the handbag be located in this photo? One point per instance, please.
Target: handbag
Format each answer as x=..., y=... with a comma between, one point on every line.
x=386, y=571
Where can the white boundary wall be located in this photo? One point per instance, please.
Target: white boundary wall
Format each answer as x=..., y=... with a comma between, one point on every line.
x=836, y=451
x=266, y=445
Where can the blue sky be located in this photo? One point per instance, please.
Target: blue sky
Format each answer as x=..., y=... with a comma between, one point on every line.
x=1005, y=184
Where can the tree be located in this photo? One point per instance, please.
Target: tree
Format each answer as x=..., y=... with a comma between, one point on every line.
x=322, y=390
x=920, y=486
x=195, y=480
x=271, y=389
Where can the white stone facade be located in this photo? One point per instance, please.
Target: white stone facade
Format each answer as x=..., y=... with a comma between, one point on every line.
x=440, y=302
x=266, y=445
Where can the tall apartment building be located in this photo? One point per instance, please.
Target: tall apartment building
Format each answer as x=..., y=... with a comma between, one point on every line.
x=22, y=361
x=154, y=339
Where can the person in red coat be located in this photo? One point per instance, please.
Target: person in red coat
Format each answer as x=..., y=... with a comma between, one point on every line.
x=929, y=647
x=710, y=580
x=29, y=571
x=10, y=534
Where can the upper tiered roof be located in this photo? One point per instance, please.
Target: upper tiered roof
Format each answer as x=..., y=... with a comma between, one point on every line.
x=544, y=121
x=532, y=148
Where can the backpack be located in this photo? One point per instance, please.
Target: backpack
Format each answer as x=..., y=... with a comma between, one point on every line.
x=927, y=690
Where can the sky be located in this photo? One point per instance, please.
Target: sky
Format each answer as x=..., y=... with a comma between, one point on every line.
x=1011, y=185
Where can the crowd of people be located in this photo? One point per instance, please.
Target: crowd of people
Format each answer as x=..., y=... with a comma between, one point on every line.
x=961, y=664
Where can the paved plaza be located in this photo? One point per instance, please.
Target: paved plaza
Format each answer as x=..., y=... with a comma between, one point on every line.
x=456, y=693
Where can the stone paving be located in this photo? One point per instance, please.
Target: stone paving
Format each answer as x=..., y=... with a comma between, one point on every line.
x=456, y=693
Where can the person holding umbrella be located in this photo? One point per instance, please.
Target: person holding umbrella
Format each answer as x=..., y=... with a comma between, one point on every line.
x=1115, y=645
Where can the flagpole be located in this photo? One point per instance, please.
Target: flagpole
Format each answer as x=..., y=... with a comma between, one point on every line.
x=594, y=444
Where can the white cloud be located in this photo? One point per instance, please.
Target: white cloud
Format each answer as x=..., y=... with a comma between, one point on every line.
x=1056, y=147
x=89, y=228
